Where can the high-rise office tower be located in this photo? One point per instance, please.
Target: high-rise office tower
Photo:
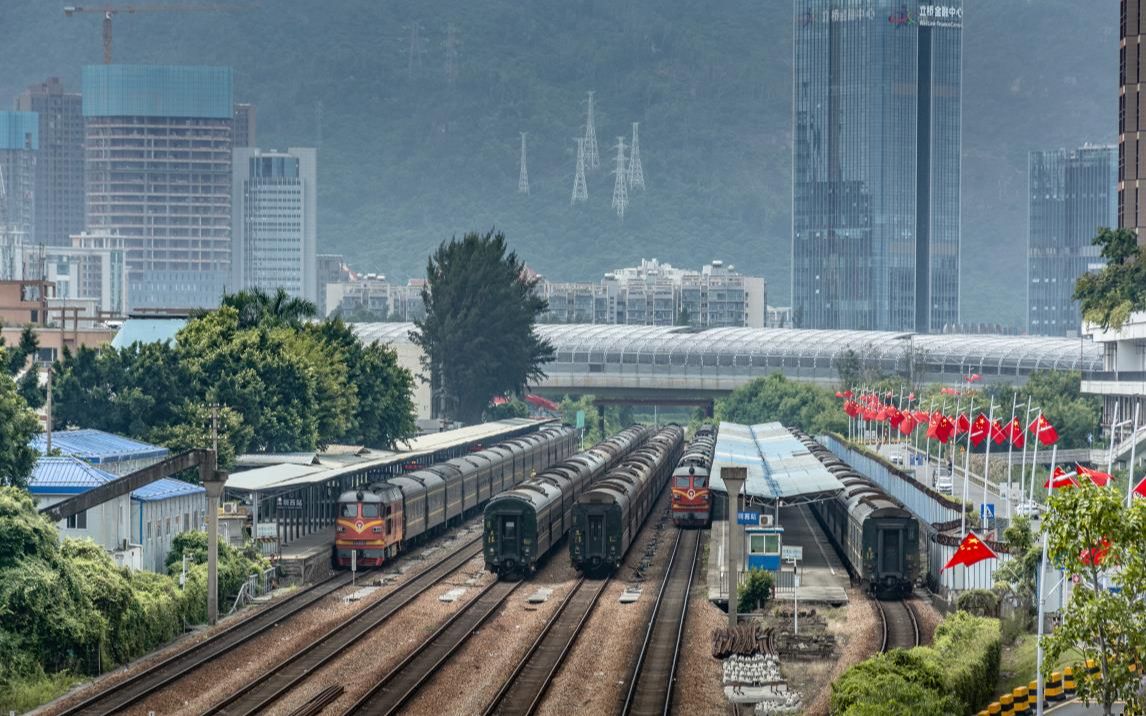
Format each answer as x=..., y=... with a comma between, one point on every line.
x=158, y=174
x=876, y=160
x=244, y=131
x=1072, y=194
x=1132, y=120
x=19, y=145
x=59, y=163
x=275, y=220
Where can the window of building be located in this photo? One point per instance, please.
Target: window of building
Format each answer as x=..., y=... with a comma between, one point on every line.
x=168, y=526
x=78, y=522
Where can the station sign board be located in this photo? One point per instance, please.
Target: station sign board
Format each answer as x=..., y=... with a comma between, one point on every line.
x=747, y=518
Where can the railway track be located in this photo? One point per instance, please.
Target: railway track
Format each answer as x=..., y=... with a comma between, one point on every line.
x=651, y=686
x=396, y=688
x=525, y=687
x=159, y=675
x=900, y=627
x=265, y=689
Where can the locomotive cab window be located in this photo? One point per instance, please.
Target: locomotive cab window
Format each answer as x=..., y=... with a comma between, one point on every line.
x=682, y=481
x=370, y=510
x=349, y=509
x=698, y=481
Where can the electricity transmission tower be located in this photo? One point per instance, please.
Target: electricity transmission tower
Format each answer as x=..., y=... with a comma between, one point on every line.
x=620, y=183
x=636, y=173
x=523, y=174
x=592, y=155
x=580, y=188
x=452, y=44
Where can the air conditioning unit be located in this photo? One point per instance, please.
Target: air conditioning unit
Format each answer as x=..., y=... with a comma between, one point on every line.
x=765, y=519
x=230, y=508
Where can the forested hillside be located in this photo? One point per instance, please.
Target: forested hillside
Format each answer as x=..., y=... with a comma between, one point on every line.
x=412, y=153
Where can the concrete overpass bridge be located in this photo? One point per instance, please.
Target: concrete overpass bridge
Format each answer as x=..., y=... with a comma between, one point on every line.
x=670, y=365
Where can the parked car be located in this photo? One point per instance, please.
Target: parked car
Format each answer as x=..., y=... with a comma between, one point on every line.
x=1029, y=508
x=943, y=485
x=896, y=459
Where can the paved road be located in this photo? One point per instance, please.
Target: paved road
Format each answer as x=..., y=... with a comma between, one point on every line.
x=1075, y=708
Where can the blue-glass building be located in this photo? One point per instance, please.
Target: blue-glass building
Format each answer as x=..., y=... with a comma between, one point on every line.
x=876, y=164
x=158, y=178
x=1072, y=194
x=19, y=147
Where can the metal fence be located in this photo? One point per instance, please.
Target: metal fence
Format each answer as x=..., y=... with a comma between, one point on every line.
x=257, y=585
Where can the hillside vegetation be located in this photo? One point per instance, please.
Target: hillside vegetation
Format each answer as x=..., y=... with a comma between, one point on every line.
x=409, y=159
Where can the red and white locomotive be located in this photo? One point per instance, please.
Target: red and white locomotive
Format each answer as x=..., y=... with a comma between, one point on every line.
x=691, y=495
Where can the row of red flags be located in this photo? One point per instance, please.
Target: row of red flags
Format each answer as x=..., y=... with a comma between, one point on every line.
x=942, y=428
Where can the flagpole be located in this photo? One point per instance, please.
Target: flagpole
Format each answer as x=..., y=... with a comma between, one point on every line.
x=1133, y=447
x=1023, y=472
x=1042, y=597
x=1011, y=450
x=1035, y=456
x=1110, y=447
x=927, y=433
x=966, y=472
x=987, y=461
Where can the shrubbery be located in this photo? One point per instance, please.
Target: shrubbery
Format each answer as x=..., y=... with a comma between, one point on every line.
x=755, y=592
x=953, y=675
x=66, y=608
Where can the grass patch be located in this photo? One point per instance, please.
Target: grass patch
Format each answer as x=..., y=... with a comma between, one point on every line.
x=25, y=694
x=1018, y=663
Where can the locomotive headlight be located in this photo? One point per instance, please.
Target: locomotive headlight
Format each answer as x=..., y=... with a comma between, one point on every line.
x=378, y=530
x=340, y=528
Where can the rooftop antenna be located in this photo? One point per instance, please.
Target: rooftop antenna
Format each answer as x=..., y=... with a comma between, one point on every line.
x=523, y=174
x=636, y=172
x=580, y=188
x=620, y=183
x=592, y=155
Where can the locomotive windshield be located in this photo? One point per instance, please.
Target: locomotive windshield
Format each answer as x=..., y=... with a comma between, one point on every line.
x=349, y=509
x=370, y=509
x=682, y=481
x=698, y=481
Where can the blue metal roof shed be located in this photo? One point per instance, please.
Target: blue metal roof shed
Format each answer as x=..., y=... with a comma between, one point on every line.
x=164, y=489
x=96, y=446
x=148, y=330
x=65, y=476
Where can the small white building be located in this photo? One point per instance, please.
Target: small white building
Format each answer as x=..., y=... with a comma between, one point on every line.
x=55, y=479
x=161, y=510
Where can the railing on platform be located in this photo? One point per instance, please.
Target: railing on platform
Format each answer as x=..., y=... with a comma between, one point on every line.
x=257, y=585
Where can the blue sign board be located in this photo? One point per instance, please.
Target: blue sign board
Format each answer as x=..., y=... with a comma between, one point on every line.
x=987, y=511
x=747, y=518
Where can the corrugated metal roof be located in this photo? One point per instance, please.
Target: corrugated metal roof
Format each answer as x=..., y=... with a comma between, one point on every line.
x=263, y=477
x=276, y=458
x=147, y=330
x=779, y=465
x=65, y=476
x=97, y=447
x=165, y=488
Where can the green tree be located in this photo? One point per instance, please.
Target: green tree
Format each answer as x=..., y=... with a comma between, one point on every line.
x=1108, y=297
x=850, y=368
x=756, y=591
x=18, y=425
x=775, y=398
x=683, y=317
x=477, y=337
x=1016, y=579
x=515, y=408
x=16, y=357
x=256, y=307
x=1091, y=533
x=1059, y=394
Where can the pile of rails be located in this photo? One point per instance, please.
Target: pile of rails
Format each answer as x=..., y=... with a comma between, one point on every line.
x=742, y=640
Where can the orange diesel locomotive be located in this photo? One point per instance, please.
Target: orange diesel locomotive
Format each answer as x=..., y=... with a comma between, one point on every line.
x=691, y=498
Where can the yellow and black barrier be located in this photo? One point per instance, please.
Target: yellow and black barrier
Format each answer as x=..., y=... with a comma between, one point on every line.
x=1006, y=704
x=1069, y=686
x=1019, y=694
x=1060, y=686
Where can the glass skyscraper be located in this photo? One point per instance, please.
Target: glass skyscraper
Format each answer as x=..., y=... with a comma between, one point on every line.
x=1072, y=194
x=876, y=164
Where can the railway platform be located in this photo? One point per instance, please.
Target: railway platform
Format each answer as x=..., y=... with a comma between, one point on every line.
x=823, y=578
x=306, y=559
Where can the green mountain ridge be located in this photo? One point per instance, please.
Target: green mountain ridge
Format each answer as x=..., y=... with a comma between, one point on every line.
x=408, y=159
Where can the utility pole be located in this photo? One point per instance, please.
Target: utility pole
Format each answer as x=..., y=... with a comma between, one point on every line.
x=580, y=188
x=48, y=411
x=523, y=173
x=620, y=183
x=592, y=155
x=636, y=172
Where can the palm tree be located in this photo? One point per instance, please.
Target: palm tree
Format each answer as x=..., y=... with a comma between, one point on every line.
x=257, y=307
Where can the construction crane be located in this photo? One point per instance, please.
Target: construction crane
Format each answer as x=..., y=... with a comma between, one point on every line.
x=109, y=10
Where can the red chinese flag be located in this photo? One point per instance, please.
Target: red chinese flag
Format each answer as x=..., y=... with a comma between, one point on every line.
x=1015, y=433
x=962, y=424
x=851, y=408
x=869, y=414
x=944, y=431
x=972, y=550
x=979, y=429
x=848, y=394
x=881, y=414
x=907, y=424
x=1095, y=555
x=1102, y=479
x=1060, y=478
x=910, y=396
x=998, y=435
x=1043, y=430
x=1140, y=488
x=921, y=416
x=839, y=394
x=894, y=417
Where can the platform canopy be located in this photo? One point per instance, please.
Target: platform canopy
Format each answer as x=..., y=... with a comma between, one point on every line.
x=779, y=466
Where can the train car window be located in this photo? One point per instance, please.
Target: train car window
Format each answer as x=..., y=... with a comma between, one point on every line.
x=509, y=529
x=349, y=509
x=370, y=510
x=389, y=525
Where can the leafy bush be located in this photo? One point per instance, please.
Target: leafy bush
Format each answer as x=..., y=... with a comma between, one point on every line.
x=755, y=592
x=957, y=672
x=980, y=602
